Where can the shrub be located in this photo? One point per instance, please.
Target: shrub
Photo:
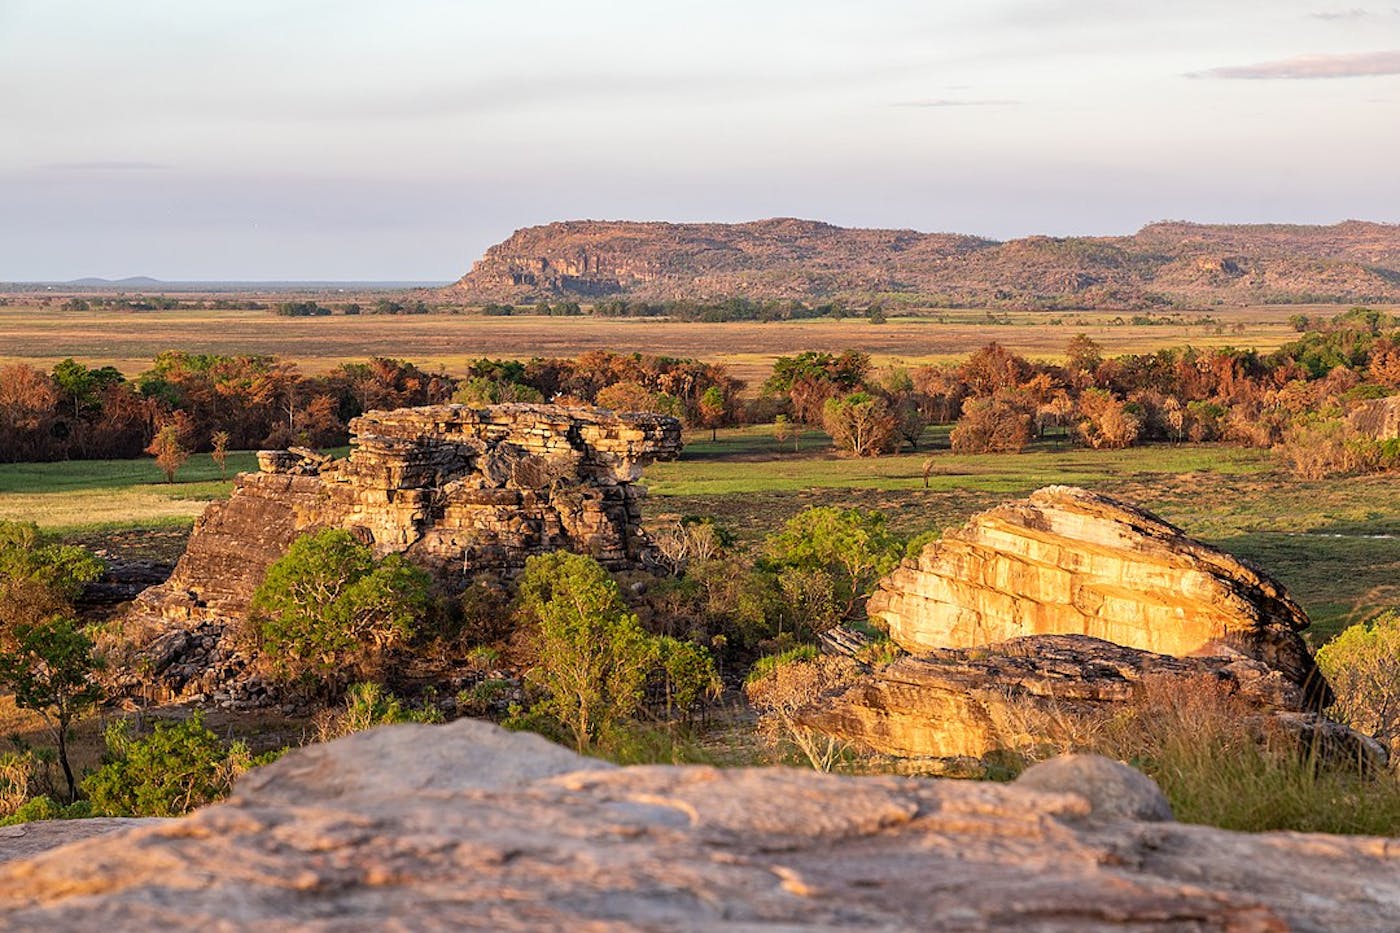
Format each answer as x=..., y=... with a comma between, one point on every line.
x=1363, y=666
x=39, y=579
x=328, y=608
x=367, y=705
x=180, y=766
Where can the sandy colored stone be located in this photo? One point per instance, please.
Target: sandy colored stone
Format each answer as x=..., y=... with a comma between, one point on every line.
x=1030, y=692
x=464, y=826
x=457, y=490
x=1378, y=418
x=1069, y=561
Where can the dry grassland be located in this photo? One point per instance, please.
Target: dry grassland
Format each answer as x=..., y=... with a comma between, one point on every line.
x=128, y=340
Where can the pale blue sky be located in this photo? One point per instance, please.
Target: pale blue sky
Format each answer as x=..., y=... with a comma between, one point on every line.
x=365, y=139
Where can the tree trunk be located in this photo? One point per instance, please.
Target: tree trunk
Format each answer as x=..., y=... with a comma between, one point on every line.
x=63, y=760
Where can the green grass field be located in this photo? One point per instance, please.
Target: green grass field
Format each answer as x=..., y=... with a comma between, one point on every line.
x=1335, y=544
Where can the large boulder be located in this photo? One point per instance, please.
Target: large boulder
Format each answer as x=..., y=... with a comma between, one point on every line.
x=1072, y=562
x=467, y=826
x=1025, y=694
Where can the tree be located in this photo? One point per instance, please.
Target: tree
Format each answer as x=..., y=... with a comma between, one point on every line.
x=784, y=430
x=50, y=669
x=860, y=424
x=1105, y=421
x=39, y=580
x=854, y=546
x=327, y=607
x=1001, y=424
x=169, y=452
x=219, y=454
x=594, y=656
x=714, y=409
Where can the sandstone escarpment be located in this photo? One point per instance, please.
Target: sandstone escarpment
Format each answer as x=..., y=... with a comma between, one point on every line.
x=457, y=490
x=467, y=826
x=1042, y=691
x=1378, y=419
x=1163, y=265
x=1067, y=561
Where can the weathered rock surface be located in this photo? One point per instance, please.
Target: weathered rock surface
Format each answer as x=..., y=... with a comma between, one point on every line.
x=1068, y=561
x=1191, y=265
x=467, y=826
x=1042, y=690
x=457, y=490
x=1378, y=419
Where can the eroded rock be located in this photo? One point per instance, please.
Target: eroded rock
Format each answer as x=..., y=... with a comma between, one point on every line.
x=1069, y=561
x=467, y=826
x=457, y=490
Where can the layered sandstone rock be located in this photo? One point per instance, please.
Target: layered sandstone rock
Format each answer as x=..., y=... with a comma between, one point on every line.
x=1042, y=691
x=467, y=826
x=457, y=490
x=1068, y=561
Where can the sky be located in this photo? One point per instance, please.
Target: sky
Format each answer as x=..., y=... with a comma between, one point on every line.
x=369, y=140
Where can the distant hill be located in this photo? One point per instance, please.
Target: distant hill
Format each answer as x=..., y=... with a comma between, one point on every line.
x=1169, y=264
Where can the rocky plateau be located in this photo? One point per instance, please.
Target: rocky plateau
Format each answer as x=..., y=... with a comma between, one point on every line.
x=1170, y=264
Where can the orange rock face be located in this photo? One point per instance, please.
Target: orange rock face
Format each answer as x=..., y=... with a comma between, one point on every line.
x=1069, y=562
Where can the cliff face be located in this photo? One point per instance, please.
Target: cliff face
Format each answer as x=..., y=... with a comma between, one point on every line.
x=466, y=826
x=1070, y=562
x=1166, y=263
x=457, y=490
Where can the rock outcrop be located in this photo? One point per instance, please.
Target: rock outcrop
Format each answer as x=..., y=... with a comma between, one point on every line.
x=456, y=490
x=467, y=826
x=1378, y=419
x=1042, y=691
x=1067, y=561
x=1163, y=265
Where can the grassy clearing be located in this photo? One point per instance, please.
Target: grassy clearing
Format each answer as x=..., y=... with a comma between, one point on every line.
x=1326, y=541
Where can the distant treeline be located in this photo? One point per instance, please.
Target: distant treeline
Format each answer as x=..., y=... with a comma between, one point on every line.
x=1298, y=399
x=79, y=412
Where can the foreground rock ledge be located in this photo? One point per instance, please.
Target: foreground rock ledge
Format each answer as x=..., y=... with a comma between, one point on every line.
x=1066, y=561
x=466, y=825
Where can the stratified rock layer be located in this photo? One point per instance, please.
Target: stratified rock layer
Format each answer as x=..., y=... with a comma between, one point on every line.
x=467, y=826
x=456, y=489
x=1378, y=419
x=1049, y=690
x=1068, y=561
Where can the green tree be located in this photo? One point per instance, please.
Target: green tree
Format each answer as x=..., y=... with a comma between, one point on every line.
x=180, y=766
x=39, y=579
x=328, y=608
x=854, y=546
x=860, y=424
x=50, y=669
x=594, y=656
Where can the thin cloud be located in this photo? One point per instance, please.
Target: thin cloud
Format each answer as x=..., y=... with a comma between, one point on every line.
x=1334, y=15
x=110, y=166
x=1303, y=67
x=935, y=102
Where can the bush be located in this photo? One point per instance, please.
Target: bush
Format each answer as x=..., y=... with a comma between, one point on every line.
x=366, y=706
x=992, y=425
x=860, y=424
x=1363, y=666
x=180, y=766
x=327, y=608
